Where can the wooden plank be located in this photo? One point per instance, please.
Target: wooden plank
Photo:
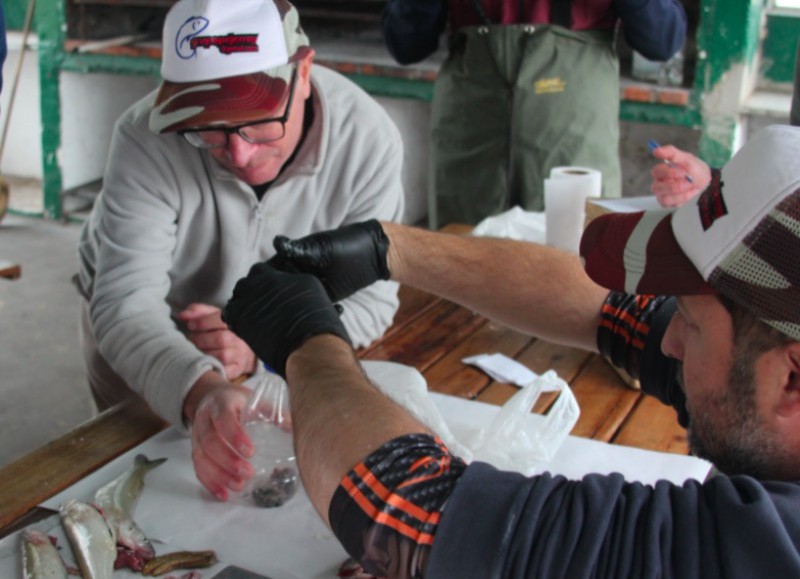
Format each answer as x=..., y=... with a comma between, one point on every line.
x=50, y=469
x=654, y=426
x=451, y=376
x=542, y=356
x=457, y=229
x=605, y=401
x=428, y=337
x=413, y=303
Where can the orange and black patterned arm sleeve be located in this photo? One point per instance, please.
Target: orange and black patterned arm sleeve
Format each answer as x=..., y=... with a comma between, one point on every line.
x=629, y=336
x=387, y=509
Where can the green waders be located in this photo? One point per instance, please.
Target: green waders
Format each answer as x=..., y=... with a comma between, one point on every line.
x=510, y=103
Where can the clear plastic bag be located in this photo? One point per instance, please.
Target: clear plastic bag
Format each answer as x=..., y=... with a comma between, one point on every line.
x=511, y=442
x=267, y=421
x=515, y=440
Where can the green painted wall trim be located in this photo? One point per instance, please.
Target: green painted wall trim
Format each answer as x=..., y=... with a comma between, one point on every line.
x=15, y=14
x=727, y=37
x=394, y=87
x=780, y=48
x=660, y=114
x=51, y=31
x=88, y=63
x=728, y=34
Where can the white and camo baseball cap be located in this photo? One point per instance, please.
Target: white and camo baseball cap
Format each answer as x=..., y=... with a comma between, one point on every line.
x=740, y=237
x=226, y=62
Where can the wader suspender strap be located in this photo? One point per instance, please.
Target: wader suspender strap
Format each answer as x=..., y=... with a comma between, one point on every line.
x=481, y=12
x=560, y=12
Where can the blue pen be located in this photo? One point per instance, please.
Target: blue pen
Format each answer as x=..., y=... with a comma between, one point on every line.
x=654, y=145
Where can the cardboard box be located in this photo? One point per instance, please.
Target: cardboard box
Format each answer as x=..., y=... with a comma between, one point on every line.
x=598, y=206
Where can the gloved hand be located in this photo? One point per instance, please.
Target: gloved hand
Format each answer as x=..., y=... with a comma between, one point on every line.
x=275, y=312
x=345, y=260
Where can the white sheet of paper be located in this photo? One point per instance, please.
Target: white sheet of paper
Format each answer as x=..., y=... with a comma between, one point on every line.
x=629, y=204
x=291, y=541
x=504, y=369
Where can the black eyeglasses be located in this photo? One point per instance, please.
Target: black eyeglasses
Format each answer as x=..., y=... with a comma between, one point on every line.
x=257, y=132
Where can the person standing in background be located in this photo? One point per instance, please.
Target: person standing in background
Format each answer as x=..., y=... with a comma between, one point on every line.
x=527, y=86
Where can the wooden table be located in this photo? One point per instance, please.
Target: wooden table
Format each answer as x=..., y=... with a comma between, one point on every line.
x=429, y=333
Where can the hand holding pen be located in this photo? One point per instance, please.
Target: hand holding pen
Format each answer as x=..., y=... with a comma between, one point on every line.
x=678, y=177
x=653, y=145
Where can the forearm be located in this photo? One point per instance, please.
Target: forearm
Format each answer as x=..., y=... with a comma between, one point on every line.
x=338, y=417
x=529, y=287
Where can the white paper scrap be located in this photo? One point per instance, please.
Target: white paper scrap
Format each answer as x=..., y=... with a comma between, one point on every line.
x=504, y=369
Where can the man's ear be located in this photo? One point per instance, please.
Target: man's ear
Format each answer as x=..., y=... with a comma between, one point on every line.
x=790, y=397
x=304, y=70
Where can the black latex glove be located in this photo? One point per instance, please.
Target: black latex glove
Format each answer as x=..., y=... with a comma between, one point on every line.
x=345, y=260
x=275, y=312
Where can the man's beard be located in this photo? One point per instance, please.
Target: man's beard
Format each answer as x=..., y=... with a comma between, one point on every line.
x=726, y=429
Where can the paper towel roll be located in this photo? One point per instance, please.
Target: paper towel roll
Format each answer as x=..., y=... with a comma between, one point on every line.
x=592, y=177
x=565, y=194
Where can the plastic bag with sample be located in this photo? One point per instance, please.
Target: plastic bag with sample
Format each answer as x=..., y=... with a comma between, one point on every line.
x=267, y=421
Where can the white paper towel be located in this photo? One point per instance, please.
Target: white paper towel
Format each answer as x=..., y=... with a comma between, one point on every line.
x=591, y=177
x=565, y=194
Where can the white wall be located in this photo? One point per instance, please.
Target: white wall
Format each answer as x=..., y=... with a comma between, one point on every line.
x=413, y=118
x=89, y=106
x=22, y=155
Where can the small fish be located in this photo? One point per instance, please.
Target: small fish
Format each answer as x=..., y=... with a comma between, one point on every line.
x=179, y=560
x=93, y=542
x=116, y=501
x=40, y=559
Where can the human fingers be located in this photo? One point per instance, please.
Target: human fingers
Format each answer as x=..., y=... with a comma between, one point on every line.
x=219, y=443
x=275, y=312
x=666, y=152
x=218, y=339
x=670, y=201
x=345, y=260
x=690, y=167
x=195, y=310
x=202, y=318
x=210, y=475
x=234, y=354
x=670, y=186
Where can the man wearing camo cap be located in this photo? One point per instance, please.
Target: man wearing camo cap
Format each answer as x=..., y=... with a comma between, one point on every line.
x=245, y=139
x=724, y=350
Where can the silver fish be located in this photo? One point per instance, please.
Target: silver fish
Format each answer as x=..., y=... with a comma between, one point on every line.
x=93, y=542
x=116, y=501
x=40, y=558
